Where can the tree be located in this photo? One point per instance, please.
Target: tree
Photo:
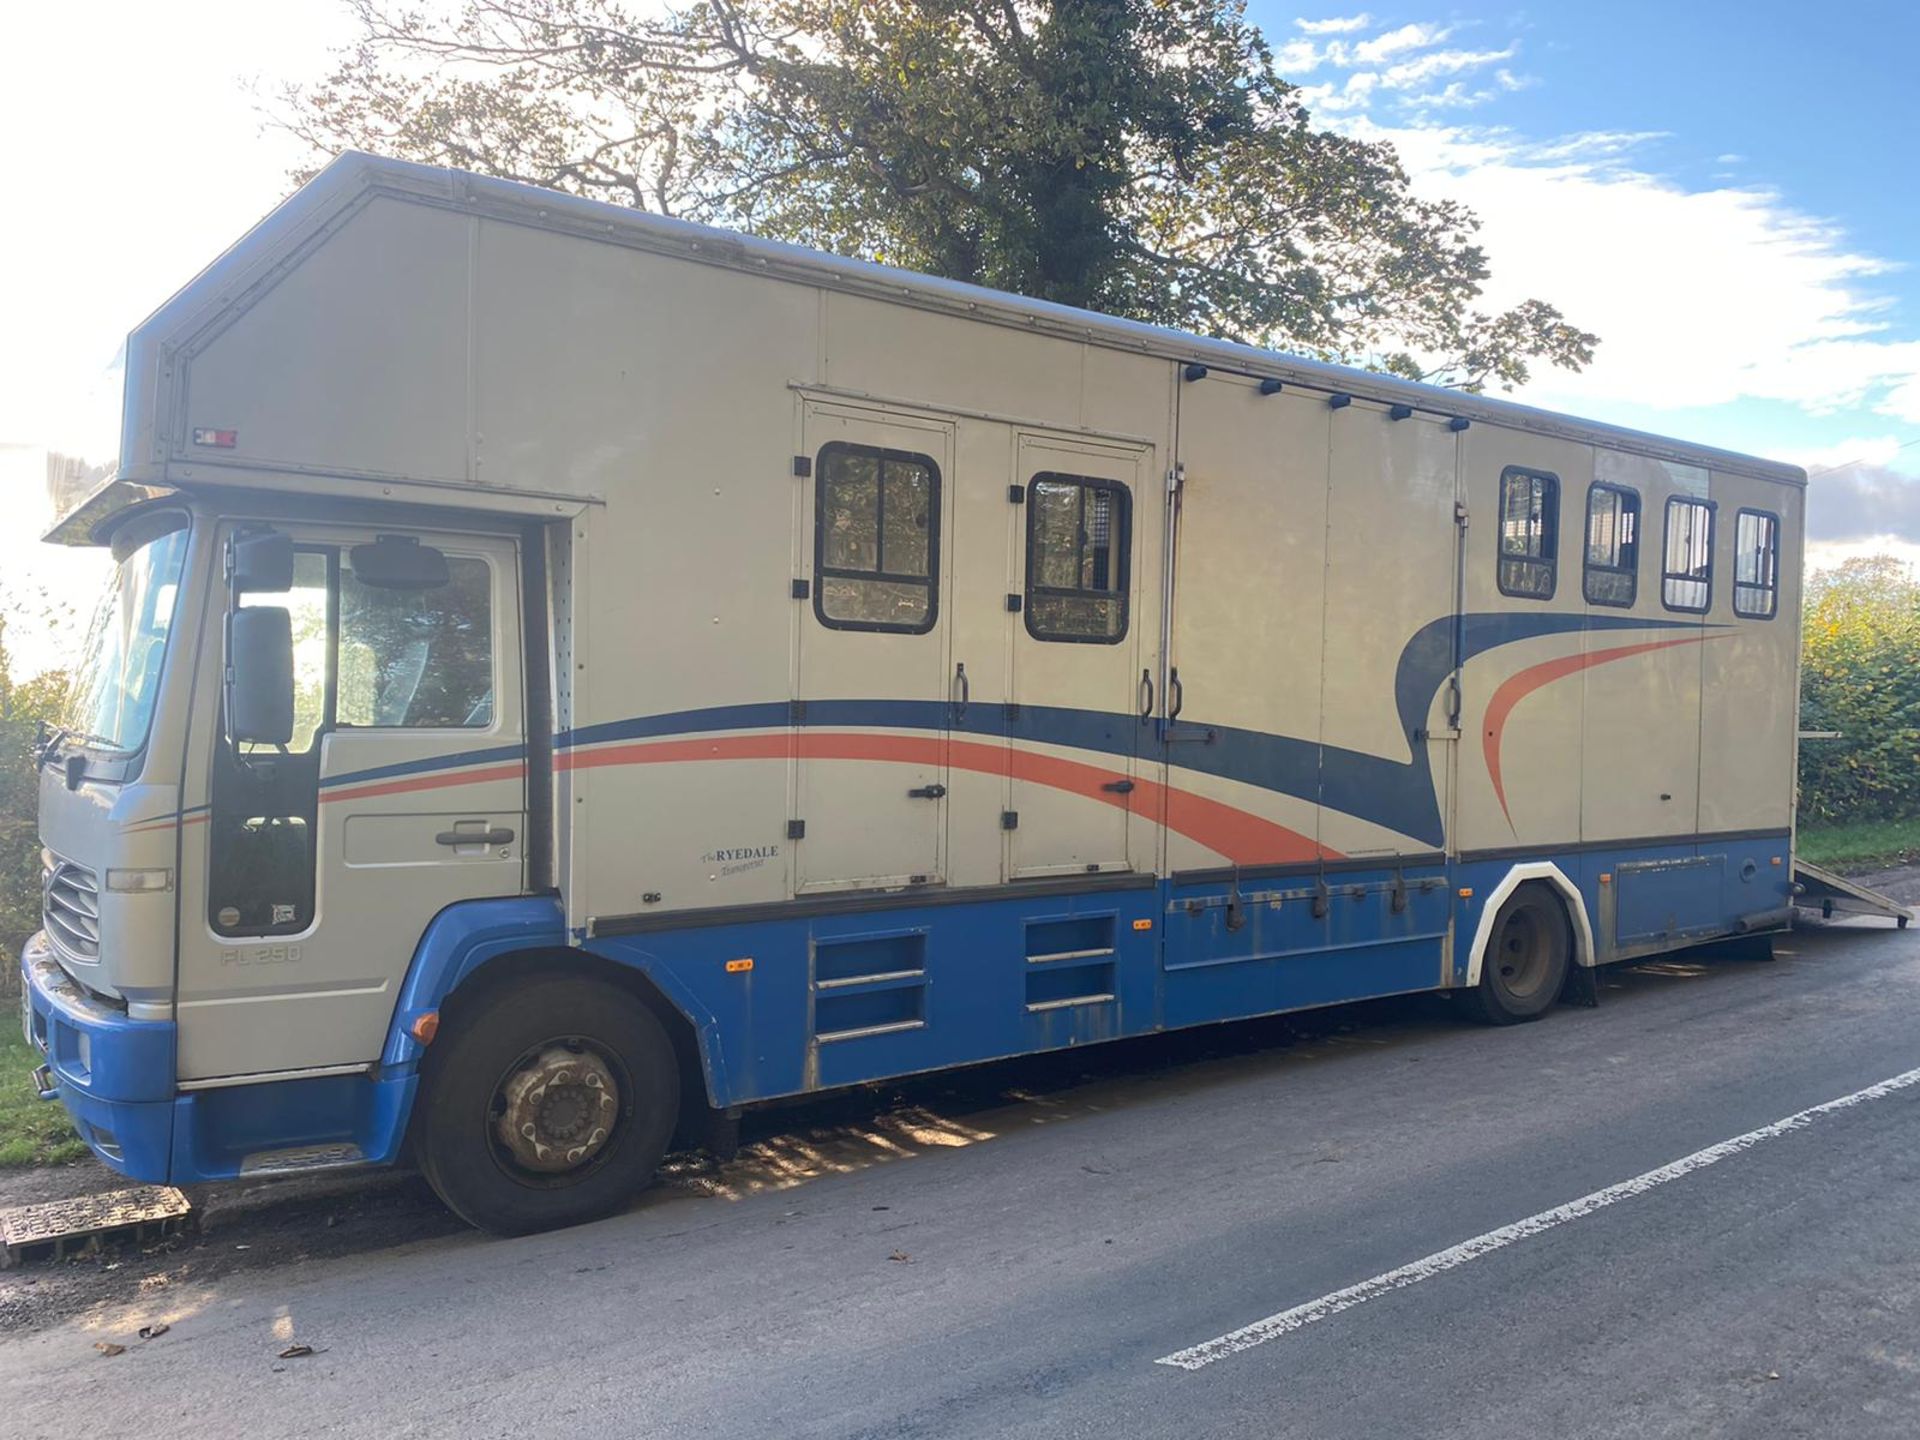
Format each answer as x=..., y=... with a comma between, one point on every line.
x=1139, y=157
x=1860, y=675
x=23, y=705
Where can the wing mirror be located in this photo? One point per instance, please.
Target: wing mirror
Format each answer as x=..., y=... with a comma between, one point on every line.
x=260, y=671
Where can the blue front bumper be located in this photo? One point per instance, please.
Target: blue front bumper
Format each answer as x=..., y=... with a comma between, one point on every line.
x=114, y=1074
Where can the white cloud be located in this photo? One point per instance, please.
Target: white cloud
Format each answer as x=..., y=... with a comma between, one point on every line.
x=1394, y=42
x=1340, y=25
x=1701, y=297
x=1421, y=69
x=1878, y=450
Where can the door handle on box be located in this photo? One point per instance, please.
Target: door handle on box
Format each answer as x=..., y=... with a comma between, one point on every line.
x=498, y=835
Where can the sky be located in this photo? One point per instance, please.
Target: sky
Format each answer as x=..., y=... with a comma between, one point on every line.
x=1722, y=189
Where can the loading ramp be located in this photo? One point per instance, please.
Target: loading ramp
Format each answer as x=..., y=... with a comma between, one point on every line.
x=1815, y=888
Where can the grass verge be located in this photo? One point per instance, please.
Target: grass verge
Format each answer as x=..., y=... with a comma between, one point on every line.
x=32, y=1131
x=1863, y=845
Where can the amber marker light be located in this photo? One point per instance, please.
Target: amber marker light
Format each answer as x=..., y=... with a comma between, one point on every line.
x=1143, y=924
x=741, y=966
x=425, y=1027
x=1466, y=892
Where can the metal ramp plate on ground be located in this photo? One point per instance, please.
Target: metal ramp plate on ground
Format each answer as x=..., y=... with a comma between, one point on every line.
x=1831, y=894
x=58, y=1227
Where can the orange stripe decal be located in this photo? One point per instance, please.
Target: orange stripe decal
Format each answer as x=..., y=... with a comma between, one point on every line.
x=1242, y=837
x=1518, y=686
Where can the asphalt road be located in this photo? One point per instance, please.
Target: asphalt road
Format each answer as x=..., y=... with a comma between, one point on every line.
x=1018, y=1270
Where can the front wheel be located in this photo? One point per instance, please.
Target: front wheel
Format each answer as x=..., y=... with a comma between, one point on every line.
x=549, y=1105
x=1528, y=953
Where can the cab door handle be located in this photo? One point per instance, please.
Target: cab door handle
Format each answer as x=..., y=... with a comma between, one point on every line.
x=499, y=835
x=927, y=792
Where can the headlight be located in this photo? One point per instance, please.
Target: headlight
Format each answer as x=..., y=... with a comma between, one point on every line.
x=139, y=882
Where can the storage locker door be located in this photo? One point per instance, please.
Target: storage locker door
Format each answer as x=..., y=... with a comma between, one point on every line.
x=1075, y=724
x=873, y=688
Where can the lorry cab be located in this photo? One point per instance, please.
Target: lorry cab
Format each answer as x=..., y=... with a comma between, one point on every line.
x=293, y=742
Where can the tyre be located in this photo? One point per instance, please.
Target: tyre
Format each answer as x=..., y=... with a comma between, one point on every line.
x=1528, y=954
x=550, y=1104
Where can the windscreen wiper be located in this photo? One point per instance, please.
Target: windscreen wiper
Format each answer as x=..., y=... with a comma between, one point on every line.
x=49, y=746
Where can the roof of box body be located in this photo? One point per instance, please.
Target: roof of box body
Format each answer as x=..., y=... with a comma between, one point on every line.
x=353, y=178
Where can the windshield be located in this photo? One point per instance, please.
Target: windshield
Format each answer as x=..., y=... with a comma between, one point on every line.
x=118, y=676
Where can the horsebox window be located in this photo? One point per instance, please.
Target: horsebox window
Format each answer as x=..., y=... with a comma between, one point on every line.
x=1079, y=534
x=876, y=549
x=1529, y=533
x=1686, y=574
x=1756, y=564
x=1612, y=574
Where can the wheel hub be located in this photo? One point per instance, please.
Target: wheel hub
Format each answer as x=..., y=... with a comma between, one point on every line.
x=556, y=1111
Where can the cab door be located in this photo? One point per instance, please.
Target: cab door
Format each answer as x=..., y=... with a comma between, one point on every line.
x=1081, y=698
x=873, y=695
x=400, y=789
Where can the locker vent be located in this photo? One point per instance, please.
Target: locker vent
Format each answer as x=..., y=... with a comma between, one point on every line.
x=1070, y=962
x=869, y=985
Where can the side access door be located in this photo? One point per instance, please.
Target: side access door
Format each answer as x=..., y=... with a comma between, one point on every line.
x=1082, y=703
x=322, y=851
x=873, y=697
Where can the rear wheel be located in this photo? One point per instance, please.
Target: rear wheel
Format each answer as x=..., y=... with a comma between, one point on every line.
x=1528, y=953
x=548, y=1105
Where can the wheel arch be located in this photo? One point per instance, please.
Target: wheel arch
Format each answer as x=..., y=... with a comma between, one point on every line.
x=475, y=947
x=1532, y=872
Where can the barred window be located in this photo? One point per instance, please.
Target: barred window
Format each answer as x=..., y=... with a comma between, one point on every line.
x=1686, y=576
x=1529, y=533
x=1079, y=534
x=1756, y=564
x=876, y=539
x=1612, y=574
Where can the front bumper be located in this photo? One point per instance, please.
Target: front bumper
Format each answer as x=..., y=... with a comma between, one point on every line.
x=114, y=1075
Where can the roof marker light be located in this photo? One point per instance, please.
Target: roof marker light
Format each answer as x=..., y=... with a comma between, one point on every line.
x=217, y=439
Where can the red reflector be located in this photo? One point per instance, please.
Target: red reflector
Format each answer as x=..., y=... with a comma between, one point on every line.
x=218, y=439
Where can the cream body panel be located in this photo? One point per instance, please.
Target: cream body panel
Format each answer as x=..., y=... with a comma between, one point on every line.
x=1641, y=686
x=1537, y=751
x=1747, y=752
x=1392, y=551
x=1249, y=586
x=369, y=344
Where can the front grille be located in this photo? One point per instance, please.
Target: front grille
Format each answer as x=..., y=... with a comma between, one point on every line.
x=72, y=909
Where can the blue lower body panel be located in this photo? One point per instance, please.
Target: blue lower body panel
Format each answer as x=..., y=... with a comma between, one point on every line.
x=911, y=983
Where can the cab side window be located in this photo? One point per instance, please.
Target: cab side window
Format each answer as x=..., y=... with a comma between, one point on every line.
x=418, y=659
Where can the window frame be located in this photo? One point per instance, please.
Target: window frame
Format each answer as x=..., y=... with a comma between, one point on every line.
x=823, y=572
x=1631, y=570
x=1124, y=590
x=1666, y=536
x=1550, y=544
x=1772, y=590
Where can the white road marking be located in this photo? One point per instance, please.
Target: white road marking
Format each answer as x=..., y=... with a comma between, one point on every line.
x=1198, y=1357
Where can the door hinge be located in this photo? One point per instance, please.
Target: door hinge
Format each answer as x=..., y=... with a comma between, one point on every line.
x=1460, y=513
x=1009, y=819
x=1176, y=477
x=797, y=711
x=801, y=589
x=796, y=829
x=1013, y=604
x=1016, y=494
x=802, y=466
